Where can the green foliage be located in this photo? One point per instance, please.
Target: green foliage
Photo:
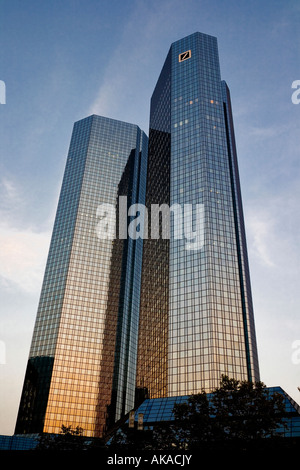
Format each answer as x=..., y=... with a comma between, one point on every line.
x=236, y=413
x=68, y=439
x=132, y=440
x=193, y=424
x=246, y=410
x=240, y=412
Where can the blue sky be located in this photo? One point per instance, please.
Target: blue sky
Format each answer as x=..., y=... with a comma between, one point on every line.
x=63, y=60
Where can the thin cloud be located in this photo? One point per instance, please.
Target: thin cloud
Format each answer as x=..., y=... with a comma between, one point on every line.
x=11, y=200
x=22, y=258
x=23, y=249
x=129, y=77
x=266, y=132
x=261, y=230
x=273, y=230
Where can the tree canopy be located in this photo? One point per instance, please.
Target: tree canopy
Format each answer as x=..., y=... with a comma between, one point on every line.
x=239, y=412
x=68, y=439
x=236, y=411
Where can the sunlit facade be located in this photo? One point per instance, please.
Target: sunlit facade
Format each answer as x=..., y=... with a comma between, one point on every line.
x=196, y=318
x=69, y=377
x=121, y=318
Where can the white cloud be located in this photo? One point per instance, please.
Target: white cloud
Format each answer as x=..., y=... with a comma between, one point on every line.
x=272, y=223
x=261, y=231
x=22, y=258
x=23, y=248
x=11, y=200
x=9, y=188
x=266, y=132
x=125, y=90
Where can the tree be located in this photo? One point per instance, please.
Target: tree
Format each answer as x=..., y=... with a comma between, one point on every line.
x=236, y=412
x=246, y=410
x=193, y=426
x=68, y=439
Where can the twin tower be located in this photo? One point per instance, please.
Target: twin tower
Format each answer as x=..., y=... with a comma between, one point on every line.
x=124, y=314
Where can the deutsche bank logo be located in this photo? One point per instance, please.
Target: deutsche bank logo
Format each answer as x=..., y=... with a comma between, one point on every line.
x=185, y=55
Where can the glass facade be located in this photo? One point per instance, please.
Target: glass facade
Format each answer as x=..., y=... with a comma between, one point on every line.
x=70, y=368
x=196, y=318
x=121, y=317
x=159, y=412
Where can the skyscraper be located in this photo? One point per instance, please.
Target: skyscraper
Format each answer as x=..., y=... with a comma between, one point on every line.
x=69, y=374
x=169, y=312
x=196, y=316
